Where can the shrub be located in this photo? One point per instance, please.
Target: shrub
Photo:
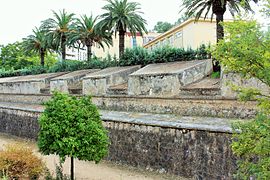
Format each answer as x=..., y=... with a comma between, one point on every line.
x=245, y=50
x=135, y=56
x=19, y=162
x=67, y=65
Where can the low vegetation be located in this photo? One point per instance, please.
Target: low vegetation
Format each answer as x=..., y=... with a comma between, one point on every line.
x=19, y=162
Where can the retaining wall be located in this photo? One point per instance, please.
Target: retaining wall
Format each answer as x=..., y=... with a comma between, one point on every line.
x=152, y=142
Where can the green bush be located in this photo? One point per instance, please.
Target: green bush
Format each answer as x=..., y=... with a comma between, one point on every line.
x=22, y=72
x=253, y=146
x=135, y=56
x=67, y=65
x=245, y=50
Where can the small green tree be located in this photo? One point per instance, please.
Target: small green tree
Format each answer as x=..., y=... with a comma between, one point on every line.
x=71, y=126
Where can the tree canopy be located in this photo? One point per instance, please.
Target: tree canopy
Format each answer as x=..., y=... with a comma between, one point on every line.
x=162, y=27
x=87, y=32
x=57, y=29
x=37, y=43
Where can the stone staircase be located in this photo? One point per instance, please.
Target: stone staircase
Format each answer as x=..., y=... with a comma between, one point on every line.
x=205, y=87
x=45, y=90
x=75, y=90
x=121, y=89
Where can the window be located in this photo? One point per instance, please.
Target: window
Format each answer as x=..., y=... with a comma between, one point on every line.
x=134, y=42
x=178, y=34
x=171, y=39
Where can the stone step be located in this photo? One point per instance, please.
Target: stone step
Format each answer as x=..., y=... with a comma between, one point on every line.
x=121, y=89
x=201, y=92
x=75, y=90
x=45, y=90
x=204, y=87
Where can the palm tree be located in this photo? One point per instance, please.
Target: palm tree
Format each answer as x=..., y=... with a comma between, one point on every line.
x=217, y=7
x=87, y=32
x=58, y=29
x=37, y=43
x=122, y=16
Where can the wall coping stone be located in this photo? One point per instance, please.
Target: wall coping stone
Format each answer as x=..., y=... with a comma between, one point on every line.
x=161, y=120
x=203, y=97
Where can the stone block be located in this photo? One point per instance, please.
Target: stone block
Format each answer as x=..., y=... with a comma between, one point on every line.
x=229, y=79
x=166, y=79
x=98, y=83
x=70, y=80
x=31, y=84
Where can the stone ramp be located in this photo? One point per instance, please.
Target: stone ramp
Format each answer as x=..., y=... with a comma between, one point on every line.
x=70, y=82
x=166, y=79
x=99, y=82
x=205, y=87
x=30, y=84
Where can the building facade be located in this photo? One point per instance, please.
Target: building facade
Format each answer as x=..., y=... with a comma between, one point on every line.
x=130, y=42
x=189, y=34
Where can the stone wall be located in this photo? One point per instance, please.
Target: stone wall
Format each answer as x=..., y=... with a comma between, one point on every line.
x=21, y=123
x=186, y=152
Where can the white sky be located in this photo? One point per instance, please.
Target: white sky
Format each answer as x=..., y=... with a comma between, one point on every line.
x=19, y=17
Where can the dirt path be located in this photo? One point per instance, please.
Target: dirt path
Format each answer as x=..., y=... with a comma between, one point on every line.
x=91, y=171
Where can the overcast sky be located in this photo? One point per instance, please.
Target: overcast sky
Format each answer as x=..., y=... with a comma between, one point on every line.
x=19, y=17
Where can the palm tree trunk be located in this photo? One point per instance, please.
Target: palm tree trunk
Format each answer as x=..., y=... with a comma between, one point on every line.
x=121, y=43
x=89, y=52
x=63, y=47
x=220, y=29
x=42, y=57
x=220, y=36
